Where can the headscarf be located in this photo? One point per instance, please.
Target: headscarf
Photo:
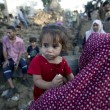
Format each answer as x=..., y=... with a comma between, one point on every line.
x=88, y=33
x=89, y=90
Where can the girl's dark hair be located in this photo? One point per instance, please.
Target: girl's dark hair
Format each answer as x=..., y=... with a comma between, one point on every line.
x=57, y=32
x=32, y=39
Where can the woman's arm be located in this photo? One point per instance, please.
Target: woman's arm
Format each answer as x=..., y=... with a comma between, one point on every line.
x=70, y=76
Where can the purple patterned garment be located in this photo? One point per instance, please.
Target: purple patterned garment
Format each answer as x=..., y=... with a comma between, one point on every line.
x=90, y=89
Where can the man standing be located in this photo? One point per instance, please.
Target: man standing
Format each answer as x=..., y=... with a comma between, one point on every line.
x=13, y=48
x=104, y=8
x=22, y=18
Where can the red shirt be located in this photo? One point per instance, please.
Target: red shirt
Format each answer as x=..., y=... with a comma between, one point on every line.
x=40, y=66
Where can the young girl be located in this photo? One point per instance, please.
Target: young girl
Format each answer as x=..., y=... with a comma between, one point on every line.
x=89, y=90
x=50, y=69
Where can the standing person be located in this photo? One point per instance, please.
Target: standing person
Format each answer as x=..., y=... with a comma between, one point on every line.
x=32, y=49
x=104, y=8
x=97, y=27
x=50, y=70
x=13, y=49
x=1, y=16
x=101, y=12
x=22, y=18
x=11, y=21
x=24, y=15
x=74, y=18
x=89, y=90
x=89, y=14
x=5, y=15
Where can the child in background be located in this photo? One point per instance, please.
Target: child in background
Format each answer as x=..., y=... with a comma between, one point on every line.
x=50, y=69
x=33, y=49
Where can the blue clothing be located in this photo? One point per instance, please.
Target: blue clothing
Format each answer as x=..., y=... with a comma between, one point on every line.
x=32, y=51
x=8, y=70
x=23, y=18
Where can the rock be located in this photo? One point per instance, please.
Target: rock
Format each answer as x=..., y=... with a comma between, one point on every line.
x=39, y=18
x=24, y=94
x=72, y=61
x=2, y=104
x=11, y=104
x=22, y=107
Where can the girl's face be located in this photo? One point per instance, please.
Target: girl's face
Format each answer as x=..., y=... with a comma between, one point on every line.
x=95, y=27
x=50, y=49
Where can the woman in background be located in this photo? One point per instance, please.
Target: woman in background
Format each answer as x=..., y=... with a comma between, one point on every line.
x=97, y=27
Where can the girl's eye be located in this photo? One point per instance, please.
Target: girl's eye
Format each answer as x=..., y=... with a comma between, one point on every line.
x=55, y=45
x=46, y=45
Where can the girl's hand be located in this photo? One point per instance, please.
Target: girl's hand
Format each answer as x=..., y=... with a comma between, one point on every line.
x=57, y=81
